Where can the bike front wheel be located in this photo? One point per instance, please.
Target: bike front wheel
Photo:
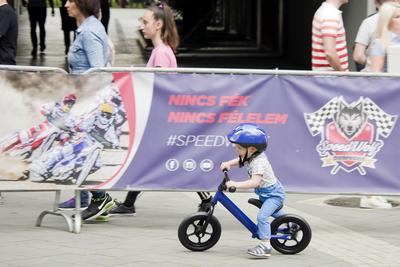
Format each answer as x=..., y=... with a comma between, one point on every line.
x=293, y=234
x=194, y=236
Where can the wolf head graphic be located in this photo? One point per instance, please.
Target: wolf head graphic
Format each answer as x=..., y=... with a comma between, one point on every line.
x=350, y=119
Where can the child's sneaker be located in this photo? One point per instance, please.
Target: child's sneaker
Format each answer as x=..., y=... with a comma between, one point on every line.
x=121, y=209
x=70, y=204
x=97, y=207
x=260, y=251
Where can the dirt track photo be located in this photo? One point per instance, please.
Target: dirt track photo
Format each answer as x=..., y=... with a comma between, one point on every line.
x=61, y=131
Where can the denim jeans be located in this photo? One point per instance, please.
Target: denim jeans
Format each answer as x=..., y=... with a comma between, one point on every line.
x=95, y=194
x=272, y=198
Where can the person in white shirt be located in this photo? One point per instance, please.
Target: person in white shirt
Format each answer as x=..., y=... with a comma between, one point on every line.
x=365, y=35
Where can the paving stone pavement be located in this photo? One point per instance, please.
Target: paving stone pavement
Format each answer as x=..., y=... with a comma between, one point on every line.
x=341, y=236
x=123, y=28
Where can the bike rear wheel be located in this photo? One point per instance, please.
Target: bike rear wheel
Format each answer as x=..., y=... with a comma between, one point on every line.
x=193, y=237
x=292, y=226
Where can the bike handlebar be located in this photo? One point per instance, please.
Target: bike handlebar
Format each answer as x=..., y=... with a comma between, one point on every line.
x=222, y=186
x=226, y=177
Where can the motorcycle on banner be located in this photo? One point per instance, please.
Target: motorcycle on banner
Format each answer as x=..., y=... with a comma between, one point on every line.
x=80, y=155
x=73, y=161
x=30, y=144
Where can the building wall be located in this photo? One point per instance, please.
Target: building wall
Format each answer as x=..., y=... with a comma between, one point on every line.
x=353, y=14
x=297, y=24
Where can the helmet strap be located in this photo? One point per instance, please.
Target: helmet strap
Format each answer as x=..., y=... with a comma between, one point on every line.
x=245, y=159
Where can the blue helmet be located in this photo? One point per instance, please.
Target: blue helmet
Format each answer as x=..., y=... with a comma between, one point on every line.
x=249, y=134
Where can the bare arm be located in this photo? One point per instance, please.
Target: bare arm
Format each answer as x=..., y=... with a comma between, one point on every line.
x=330, y=52
x=229, y=164
x=359, y=54
x=377, y=63
x=253, y=182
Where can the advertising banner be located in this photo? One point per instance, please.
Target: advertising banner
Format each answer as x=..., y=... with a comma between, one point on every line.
x=58, y=130
x=167, y=131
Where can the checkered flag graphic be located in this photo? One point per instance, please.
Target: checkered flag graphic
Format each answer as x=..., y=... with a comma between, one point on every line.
x=384, y=122
x=316, y=120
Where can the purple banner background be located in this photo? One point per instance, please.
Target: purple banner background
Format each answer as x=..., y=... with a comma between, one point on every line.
x=292, y=148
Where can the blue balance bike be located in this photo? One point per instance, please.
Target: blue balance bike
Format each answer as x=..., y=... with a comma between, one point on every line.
x=200, y=231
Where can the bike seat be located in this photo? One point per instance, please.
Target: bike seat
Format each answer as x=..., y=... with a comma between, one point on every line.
x=256, y=202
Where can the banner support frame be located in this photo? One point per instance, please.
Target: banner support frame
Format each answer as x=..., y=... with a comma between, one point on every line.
x=242, y=72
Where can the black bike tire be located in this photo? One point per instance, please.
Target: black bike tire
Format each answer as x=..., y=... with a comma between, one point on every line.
x=304, y=226
x=188, y=221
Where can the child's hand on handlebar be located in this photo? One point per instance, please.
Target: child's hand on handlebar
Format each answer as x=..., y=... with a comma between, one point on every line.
x=230, y=184
x=225, y=166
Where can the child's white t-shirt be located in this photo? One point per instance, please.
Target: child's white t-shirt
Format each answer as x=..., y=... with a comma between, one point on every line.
x=260, y=165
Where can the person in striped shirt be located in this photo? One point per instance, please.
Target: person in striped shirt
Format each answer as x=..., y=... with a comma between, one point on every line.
x=329, y=47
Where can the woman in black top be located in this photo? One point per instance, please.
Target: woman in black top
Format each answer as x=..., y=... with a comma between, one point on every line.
x=68, y=25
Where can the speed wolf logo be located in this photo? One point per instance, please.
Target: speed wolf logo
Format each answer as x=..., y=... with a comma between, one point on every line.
x=350, y=119
x=350, y=133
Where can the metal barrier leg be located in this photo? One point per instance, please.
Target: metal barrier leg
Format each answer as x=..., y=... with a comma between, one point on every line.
x=77, y=215
x=56, y=212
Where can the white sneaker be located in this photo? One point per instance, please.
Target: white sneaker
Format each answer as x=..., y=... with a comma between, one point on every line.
x=381, y=198
x=374, y=202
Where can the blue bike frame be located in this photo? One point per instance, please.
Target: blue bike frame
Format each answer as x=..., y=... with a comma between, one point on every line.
x=243, y=218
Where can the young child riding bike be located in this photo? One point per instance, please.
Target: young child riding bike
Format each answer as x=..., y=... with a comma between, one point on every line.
x=250, y=141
